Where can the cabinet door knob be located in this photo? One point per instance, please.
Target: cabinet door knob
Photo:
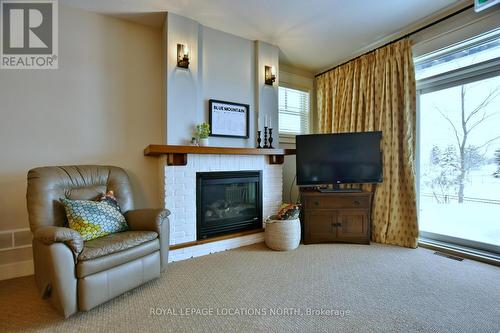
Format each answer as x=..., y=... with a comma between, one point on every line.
x=316, y=203
x=357, y=203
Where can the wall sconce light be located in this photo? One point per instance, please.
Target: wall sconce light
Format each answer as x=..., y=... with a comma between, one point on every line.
x=270, y=75
x=182, y=56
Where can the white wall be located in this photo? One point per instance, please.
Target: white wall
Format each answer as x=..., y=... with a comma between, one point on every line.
x=227, y=74
x=267, y=95
x=183, y=87
x=222, y=66
x=102, y=106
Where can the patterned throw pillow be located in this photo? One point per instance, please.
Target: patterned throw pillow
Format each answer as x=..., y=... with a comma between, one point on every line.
x=289, y=212
x=94, y=219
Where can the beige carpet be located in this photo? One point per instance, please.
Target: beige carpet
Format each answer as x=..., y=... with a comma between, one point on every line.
x=253, y=289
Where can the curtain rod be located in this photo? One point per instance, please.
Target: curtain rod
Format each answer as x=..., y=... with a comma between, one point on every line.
x=402, y=37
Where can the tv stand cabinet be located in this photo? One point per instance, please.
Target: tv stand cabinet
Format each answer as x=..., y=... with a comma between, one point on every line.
x=336, y=217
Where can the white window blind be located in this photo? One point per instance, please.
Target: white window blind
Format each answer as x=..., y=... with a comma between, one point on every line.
x=293, y=111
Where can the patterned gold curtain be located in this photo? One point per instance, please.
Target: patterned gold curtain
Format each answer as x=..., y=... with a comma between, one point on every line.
x=376, y=92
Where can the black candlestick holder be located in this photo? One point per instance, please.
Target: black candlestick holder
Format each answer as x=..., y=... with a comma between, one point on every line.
x=265, y=137
x=259, y=139
x=270, y=139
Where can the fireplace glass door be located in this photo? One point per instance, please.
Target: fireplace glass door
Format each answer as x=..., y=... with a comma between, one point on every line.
x=228, y=202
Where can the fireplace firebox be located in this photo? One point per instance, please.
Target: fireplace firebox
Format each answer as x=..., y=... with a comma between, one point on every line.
x=228, y=202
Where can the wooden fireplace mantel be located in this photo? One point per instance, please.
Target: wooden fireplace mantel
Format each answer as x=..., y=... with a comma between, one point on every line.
x=177, y=155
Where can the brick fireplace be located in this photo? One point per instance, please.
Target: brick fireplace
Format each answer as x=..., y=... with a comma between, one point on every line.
x=180, y=169
x=228, y=202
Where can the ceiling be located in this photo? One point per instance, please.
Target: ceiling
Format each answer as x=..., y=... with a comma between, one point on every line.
x=311, y=34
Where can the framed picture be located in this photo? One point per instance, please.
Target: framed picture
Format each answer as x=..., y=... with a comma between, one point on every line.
x=228, y=119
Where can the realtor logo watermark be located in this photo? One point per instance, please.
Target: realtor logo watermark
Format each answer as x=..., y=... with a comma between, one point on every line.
x=29, y=34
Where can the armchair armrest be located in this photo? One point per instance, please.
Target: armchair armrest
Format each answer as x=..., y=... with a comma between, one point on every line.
x=147, y=219
x=50, y=234
x=152, y=220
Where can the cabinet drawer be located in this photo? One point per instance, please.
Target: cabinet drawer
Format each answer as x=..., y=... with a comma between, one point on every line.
x=354, y=202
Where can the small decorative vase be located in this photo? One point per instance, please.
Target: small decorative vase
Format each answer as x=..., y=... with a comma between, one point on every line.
x=203, y=142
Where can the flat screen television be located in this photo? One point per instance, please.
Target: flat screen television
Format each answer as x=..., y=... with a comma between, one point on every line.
x=345, y=158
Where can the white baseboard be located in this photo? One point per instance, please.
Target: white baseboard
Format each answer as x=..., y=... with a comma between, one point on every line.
x=214, y=247
x=16, y=269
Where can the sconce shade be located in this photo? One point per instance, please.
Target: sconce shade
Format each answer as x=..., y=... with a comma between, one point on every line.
x=182, y=56
x=269, y=75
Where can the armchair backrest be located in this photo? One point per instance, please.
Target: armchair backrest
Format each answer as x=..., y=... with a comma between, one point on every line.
x=46, y=185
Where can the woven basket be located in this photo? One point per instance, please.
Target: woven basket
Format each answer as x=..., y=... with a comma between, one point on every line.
x=282, y=235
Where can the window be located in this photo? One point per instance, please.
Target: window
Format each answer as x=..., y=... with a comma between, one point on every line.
x=464, y=54
x=459, y=144
x=293, y=111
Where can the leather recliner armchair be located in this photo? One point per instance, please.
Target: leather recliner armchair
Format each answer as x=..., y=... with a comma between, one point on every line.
x=78, y=275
